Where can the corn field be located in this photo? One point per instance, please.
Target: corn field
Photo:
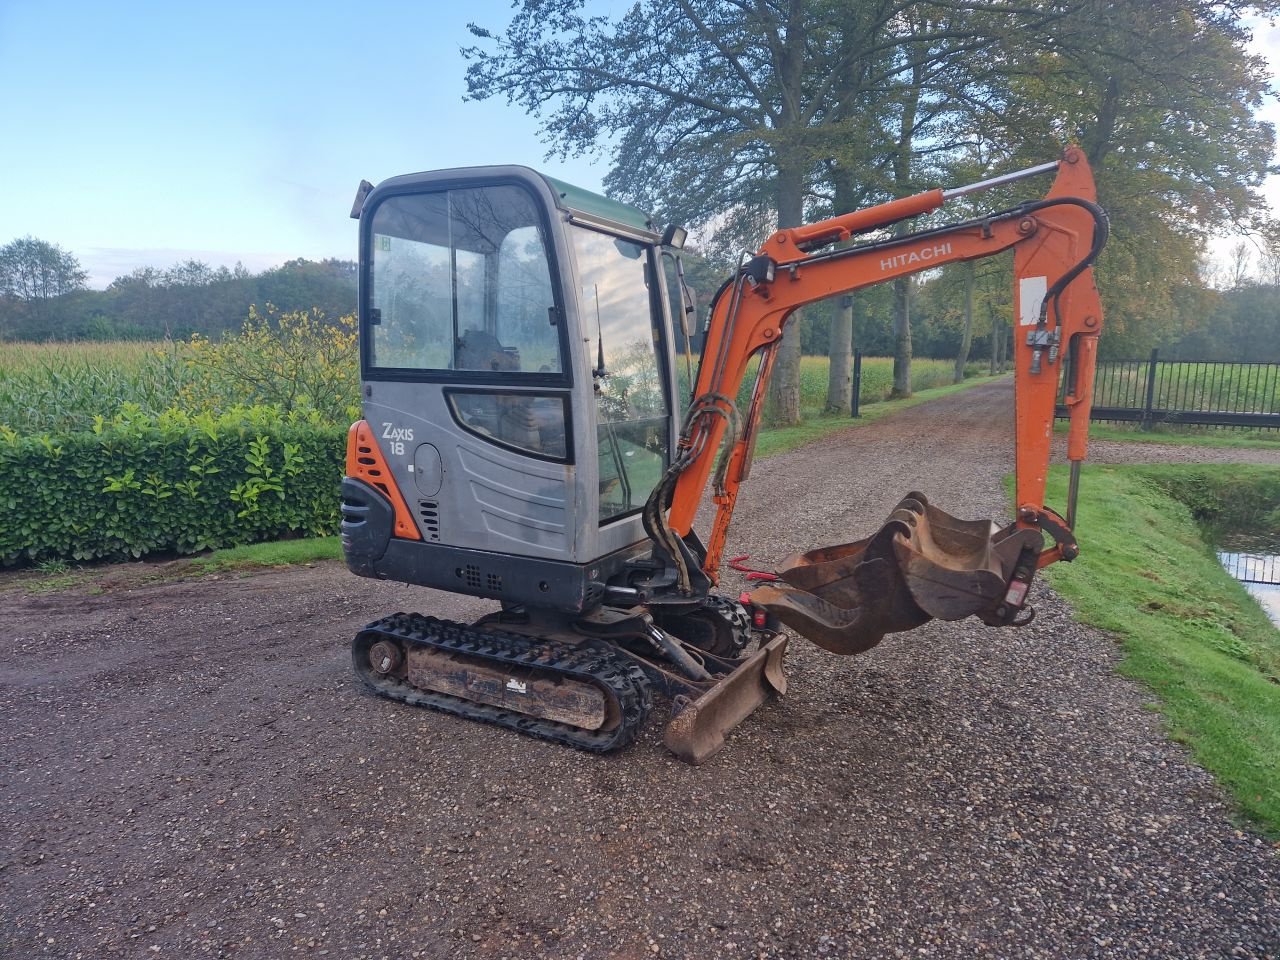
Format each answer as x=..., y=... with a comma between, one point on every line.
x=57, y=388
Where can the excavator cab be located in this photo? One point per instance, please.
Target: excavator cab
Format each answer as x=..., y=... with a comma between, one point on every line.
x=516, y=369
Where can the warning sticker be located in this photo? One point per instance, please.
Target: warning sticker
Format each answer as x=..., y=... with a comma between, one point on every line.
x=1031, y=292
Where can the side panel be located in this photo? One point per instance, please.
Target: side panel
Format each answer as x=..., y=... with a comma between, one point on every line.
x=477, y=493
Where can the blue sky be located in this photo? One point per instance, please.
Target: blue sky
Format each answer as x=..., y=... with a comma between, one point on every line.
x=144, y=133
x=147, y=133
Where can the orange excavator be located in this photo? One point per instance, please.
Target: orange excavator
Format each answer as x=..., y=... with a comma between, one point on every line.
x=525, y=439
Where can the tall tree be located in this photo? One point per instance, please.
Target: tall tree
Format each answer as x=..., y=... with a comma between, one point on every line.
x=717, y=113
x=34, y=274
x=34, y=270
x=1162, y=96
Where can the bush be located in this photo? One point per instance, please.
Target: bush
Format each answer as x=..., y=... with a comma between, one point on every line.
x=296, y=361
x=179, y=483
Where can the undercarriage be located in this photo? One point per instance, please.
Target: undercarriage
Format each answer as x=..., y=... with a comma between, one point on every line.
x=585, y=682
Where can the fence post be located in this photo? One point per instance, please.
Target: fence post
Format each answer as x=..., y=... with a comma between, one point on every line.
x=1151, y=390
x=857, y=383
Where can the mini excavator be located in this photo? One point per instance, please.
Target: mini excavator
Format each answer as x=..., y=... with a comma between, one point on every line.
x=526, y=439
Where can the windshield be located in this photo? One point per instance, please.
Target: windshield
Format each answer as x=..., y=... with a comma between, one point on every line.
x=460, y=281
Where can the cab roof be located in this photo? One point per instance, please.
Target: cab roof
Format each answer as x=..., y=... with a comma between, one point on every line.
x=594, y=206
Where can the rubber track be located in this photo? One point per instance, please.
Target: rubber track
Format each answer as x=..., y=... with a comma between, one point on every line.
x=619, y=678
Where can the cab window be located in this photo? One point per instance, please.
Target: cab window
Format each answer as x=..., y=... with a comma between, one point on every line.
x=460, y=281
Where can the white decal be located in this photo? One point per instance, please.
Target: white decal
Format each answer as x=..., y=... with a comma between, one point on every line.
x=1031, y=291
x=923, y=255
x=517, y=686
x=396, y=433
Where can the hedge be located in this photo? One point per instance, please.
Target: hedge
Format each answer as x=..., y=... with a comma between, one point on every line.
x=174, y=484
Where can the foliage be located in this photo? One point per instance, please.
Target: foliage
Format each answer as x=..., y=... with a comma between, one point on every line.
x=53, y=388
x=136, y=485
x=186, y=298
x=1189, y=631
x=733, y=117
x=293, y=362
x=1239, y=499
x=32, y=270
x=36, y=278
x=1242, y=323
x=1162, y=97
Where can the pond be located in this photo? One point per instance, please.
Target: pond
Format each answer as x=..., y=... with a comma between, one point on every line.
x=1256, y=563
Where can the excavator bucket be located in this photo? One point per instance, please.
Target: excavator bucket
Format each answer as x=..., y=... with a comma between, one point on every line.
x=922, y=564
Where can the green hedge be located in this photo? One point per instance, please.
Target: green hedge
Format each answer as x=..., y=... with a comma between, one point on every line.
x=169, y=484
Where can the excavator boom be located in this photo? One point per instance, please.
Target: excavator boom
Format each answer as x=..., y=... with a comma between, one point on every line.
x=923, y=563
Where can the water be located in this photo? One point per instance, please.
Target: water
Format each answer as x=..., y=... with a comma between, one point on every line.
x=1257, y=565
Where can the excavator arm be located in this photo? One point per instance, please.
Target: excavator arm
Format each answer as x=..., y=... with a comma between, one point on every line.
x=922, y=563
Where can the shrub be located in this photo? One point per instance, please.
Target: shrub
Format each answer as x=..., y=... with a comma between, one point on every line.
x=296, y=361
x=178, y=483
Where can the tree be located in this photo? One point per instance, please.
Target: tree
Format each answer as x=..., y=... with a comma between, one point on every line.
x=34, y=274
x=1162, y=97
x=725, y=114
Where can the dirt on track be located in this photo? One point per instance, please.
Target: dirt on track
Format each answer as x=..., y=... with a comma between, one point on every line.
x=191, y=769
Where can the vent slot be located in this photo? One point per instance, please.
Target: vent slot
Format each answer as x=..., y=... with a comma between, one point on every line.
x=474, y=579
x=429, y=512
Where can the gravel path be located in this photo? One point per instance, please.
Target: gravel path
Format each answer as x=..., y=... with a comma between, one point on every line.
x=190, y=769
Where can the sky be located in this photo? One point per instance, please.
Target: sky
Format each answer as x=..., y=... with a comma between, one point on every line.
x=142, y=134
x=147, y=133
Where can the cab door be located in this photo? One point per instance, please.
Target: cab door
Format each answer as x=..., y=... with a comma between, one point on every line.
x=620, y=304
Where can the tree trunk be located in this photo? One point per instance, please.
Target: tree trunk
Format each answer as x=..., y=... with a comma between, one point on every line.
x=995, y=332
x=783, y=406
x=966, y=339
x=1001, y=343
x=840, y=340
x=840, y=352
x=902, y=286
x=901, y=338
x=784, y=392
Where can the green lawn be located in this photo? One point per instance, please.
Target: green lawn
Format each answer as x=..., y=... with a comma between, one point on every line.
x=1188, y=630
x=1182, y=436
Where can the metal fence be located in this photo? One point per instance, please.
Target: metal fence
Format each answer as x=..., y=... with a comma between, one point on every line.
x=1204, y=392
x=1252, y=567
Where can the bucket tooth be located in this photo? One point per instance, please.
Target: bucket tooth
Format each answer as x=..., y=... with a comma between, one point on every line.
x=922, y=564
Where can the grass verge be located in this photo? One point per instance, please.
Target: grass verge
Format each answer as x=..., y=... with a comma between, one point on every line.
x=281, y=553
x=1189, y=437
x=1189, y=631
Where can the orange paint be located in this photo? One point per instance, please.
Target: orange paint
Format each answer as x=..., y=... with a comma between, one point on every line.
x=1047, y=244
x=365, y=462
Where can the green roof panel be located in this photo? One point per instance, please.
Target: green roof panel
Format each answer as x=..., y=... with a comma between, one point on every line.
x=598, y=207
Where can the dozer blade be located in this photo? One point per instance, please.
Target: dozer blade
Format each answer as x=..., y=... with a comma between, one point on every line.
x=923, y=563
x=697, y=729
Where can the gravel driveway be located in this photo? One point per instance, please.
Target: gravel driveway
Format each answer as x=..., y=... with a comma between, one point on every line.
x=190, y=769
